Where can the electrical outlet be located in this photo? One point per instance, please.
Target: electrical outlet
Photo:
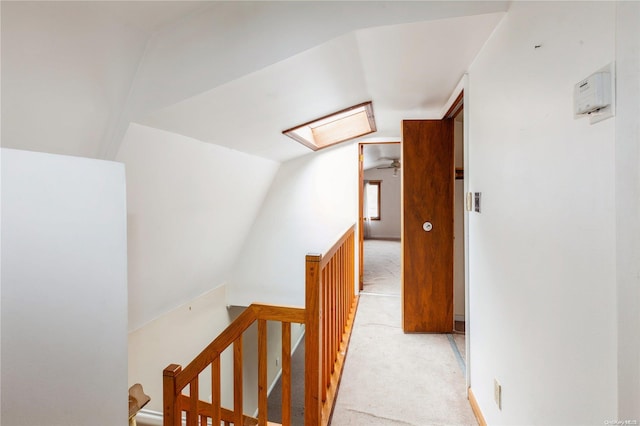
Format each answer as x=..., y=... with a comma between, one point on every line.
x=497, y=393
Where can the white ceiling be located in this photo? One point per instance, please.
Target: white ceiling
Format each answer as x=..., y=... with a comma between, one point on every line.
x=379, y=155
x=407, y=70
x=68, y=67
x=235, y=74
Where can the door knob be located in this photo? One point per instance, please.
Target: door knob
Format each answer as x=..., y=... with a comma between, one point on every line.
x=427, y=226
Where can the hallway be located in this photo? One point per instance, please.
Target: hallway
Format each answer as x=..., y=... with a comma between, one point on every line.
x=392, y=378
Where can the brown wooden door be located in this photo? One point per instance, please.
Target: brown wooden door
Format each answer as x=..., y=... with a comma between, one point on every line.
x=427, y=196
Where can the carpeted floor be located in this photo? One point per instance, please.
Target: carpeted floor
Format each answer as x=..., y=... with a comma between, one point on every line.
x=382, y=267
x=389, y=378
x=392, y=378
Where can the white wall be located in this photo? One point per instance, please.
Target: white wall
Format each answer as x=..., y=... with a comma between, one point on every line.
x=64, y=291
x=628, y=207
x=542, y=251
x=312, y=201
x=177, y=338
x=389, y=224
x=190, y=208
x=0, y=234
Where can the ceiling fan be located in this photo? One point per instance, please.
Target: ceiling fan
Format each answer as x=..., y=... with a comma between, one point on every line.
x=395, y=165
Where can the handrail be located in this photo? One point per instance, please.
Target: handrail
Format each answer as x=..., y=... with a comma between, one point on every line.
x=329, y=311
x=330, y=306
x=231, y=333
x=176, y=379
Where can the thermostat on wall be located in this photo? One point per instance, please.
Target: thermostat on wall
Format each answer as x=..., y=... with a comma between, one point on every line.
x=593, y=96
x=593, y=93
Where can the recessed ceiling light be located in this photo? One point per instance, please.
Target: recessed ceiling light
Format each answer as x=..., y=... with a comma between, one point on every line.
x=340, y=126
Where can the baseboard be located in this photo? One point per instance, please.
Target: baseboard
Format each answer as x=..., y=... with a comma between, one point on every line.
x=476, y=408
x=458, y=318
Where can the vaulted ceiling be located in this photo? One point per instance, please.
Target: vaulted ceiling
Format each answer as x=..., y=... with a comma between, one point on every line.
x=235, y=74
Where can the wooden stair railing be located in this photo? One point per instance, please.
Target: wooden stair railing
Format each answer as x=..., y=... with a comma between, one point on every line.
x=199, y=412
x=328, y=316
x=330, y=310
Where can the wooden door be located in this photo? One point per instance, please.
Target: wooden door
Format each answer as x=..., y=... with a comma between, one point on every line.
x=427, y=196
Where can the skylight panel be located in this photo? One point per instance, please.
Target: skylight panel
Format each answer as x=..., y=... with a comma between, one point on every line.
x=340, y=126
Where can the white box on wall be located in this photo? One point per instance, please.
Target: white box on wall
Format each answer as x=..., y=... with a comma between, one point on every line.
x=594, y=96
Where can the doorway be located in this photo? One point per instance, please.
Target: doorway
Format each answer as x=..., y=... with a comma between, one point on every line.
x=456, y=323
x=459, y=293
x=380, y=205
x=433, y=271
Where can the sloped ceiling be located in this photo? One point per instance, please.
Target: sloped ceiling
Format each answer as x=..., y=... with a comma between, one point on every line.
x=67, y=68
x=75, y=74
x=408, y=70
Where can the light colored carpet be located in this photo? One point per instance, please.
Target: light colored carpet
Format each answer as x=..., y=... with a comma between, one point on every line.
x=392, y=378
x=460, y=343
x=389, y=378
x=381, y=267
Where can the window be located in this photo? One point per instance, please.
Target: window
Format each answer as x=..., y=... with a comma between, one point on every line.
x=372, y=199
x=340, y=126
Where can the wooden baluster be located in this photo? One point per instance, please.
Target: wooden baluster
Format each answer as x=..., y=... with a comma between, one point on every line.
x=313, y=321
x=237, y=382
x=343, y=283
x=172, y=413
x=343, y=277
x=334, y=297
x=330, y=313
x=348, y=282
x=215, y=390
x=339, y=293
x=332, y=348
x=336, y=339
x=352, y=262
x=326, y=330
x=192, y=413
x=352, y=279
x=286, y=374
x=262, y=372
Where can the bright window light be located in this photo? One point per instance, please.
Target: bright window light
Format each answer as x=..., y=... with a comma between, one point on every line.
x=372, y=199
x=338, y=127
